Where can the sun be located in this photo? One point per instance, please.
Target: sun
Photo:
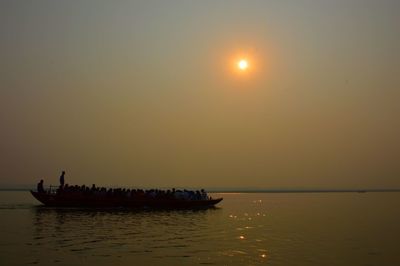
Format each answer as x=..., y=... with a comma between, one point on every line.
x=243, y=64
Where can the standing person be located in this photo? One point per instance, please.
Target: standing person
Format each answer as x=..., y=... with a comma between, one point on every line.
x=40, y=188
x=62, y=180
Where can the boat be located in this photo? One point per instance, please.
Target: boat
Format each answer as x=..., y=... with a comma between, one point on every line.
x=95, y=201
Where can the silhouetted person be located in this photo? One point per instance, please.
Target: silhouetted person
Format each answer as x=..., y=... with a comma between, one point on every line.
x=40, y=188
x=62, y=181
x=203, y=194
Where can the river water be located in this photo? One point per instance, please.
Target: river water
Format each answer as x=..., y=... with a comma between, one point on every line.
x=245, y=229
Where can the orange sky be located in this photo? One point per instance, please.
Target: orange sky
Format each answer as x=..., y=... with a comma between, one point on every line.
x=149, y=94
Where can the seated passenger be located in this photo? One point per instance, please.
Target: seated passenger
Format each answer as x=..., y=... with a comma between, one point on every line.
x=185, y=194
x=203, y=195
x=178, y=194
x=198, y=195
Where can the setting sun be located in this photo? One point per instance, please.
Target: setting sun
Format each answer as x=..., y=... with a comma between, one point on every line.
x=243, y=64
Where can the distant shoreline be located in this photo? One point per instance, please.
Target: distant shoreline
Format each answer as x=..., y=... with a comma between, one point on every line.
x=306, y=191
x=267, y=190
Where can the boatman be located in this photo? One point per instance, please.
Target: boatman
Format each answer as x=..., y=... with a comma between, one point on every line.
x=40, y=188
x=62, y=181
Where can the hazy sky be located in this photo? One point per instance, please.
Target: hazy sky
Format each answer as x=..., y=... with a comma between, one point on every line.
x=143, y=93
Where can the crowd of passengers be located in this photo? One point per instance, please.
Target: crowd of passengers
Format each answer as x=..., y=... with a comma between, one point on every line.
x=123, y=192
x=75, y=190
x=134, y=193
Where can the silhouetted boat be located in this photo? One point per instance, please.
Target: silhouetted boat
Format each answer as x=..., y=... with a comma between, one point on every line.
x=90, y=201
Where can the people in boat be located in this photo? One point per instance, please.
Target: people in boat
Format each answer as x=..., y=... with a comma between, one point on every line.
x=62, y=179
x=40, y=188
x=94, y=191
x=203, y=194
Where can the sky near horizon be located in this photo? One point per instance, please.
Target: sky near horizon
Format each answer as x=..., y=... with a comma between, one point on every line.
x=145, y=93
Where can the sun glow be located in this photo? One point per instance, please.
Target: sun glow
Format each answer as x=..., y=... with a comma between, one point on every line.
x=243, y=64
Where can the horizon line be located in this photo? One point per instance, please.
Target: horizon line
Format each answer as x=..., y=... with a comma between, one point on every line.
x=254, y=190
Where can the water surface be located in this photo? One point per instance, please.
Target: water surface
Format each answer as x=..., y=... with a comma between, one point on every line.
x=246, y=229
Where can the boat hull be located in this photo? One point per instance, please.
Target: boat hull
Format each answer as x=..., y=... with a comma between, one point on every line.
x=89, y=201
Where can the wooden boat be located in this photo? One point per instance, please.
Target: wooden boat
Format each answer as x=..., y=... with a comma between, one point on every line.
x=93, y=201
